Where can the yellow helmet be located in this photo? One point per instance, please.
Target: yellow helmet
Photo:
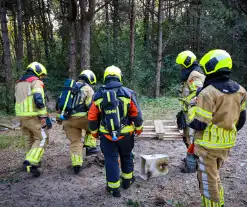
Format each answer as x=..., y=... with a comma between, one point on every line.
x=37, y=68
x=114, y=72
x=88, y=76
x=186, y=58
x=215, y=60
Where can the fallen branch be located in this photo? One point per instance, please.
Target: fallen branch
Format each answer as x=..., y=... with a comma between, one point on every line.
x=8, y=126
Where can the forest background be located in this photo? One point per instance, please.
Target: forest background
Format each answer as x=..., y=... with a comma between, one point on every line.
x=141, y=37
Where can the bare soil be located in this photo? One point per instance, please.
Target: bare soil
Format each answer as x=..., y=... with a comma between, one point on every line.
x=58, y=186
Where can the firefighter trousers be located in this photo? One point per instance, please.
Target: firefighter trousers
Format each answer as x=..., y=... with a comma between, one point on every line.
x=36, y=139
x=111, y=151
x=73, y=128
x=209, y=163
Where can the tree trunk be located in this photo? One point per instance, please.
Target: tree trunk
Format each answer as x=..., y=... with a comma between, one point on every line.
x=107, y=33
x=19, y=55
x=146, y=25
x=7, y=58
x=43, y=25
x=85, y=44
x=72, y=55
x=116, y=28
x=198, y=8
x=28, y=41
x=159, y=49
x=132, y=38
x=37, y=52
x=86, y=19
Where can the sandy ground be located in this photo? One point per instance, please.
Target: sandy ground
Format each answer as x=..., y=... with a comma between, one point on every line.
x=58, y=186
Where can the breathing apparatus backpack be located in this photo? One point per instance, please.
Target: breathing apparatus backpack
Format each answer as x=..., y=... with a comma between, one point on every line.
x=69, y=100
x=111, y=115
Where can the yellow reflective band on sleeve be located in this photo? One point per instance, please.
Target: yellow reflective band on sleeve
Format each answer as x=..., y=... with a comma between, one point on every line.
x=114, y=184
x=68, y=95
x=94, y=132
x=80, y=114
x=127, y=175
x=98, y=102
x=89, y=141
x=112, y=124
x=39, y=90
x=195, y=84
x=199, y=111
x=243, y=106
x=76, y=159
x=139, y=128
x=42, y=111
x=108, y=96
x=188, y=98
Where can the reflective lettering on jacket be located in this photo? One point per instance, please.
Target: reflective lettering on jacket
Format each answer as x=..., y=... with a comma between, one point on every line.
x=218, y=114
x=25, y=93
x=188, y=89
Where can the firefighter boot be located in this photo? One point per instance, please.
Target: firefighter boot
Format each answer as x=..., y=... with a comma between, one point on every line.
x=190, y=164
x=114, y=191
x=92, y=150
x=77, y=169
x=126, y=183
x=31, y=169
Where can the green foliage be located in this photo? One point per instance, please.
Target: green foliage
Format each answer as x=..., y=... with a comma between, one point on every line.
x=133, y=203
x=221, y=25
x=163, y=107
x=15, y=141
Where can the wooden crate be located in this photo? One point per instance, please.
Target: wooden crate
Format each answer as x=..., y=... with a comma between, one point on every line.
x=161, y=129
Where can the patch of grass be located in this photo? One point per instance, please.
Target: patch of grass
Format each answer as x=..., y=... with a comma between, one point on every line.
x=159, y=108
x=132, y=203
x=174, y=203
x=15, y=141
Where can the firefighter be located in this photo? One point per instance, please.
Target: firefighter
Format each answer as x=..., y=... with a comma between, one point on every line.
x=115, y=116
x=78, y=122
x=220, y=112
x=30, y=107
x=192, y=79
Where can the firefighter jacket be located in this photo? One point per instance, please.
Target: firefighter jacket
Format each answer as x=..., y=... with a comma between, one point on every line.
x=219, y=113
x=130, y=112
x=30, y=97
x=84, y=99
x=191, y=83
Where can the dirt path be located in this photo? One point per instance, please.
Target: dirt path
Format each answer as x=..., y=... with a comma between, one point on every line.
x=58, y=186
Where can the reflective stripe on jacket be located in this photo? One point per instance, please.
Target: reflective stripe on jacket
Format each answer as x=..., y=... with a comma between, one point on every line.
x=25, y=91
x=188, y=89
x=215, y=117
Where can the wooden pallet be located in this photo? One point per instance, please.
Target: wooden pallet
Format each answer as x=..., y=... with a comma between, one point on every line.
x=161, y=129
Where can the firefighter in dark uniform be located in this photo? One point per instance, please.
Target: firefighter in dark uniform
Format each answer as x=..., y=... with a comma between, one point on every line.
x=121, y=144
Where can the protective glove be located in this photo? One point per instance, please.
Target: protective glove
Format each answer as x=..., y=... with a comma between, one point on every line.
x=138, y=130
x=43, y=122
x=95, y=135
x=48, y=123
x=59, y=121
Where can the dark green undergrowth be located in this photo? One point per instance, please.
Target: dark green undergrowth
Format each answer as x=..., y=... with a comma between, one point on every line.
x=15, y=141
